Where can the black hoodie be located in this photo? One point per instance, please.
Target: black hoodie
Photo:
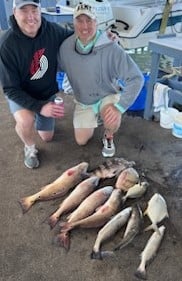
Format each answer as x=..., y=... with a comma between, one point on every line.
x=28, y=66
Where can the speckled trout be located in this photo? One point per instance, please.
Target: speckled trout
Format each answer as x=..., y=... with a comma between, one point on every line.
x=149, y=252
x=132, y=228
x=108, y=231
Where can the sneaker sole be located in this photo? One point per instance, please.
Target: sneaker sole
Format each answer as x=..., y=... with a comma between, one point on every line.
x=30, y=167
x=107, y=155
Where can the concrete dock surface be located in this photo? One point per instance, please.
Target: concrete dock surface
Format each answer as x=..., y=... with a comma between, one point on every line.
x=27, y=252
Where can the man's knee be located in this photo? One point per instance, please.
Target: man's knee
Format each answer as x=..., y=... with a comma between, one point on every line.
x=46, y=136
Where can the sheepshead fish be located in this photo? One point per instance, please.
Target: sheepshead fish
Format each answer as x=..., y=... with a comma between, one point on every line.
x=111, y=168
x=156, y=211
x=108, y=231
x=97, y=219
x=127, y=178
x=79, y=193
x=149, y=252
x=132, y=228
x=136, y=191
x=57, y=188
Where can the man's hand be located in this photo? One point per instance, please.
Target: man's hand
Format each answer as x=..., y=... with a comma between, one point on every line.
x=51, y=109
x=111, y=115
x=112, y=36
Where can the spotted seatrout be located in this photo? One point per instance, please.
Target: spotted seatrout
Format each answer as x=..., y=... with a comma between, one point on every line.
x=156, y=211
x=132, y=228
x=108, y=231
x=149, y=252
x=79, y=193
x=58, y=188
x=97, y=219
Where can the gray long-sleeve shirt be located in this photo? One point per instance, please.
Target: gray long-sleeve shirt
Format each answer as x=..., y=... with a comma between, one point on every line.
x=96, y=75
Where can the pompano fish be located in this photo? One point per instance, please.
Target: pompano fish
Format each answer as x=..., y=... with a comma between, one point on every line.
x=127, y=178
x=90, y=204
x=57, y=188
x=97, y=219
x=136, y=191
x=156, y=211
x=132, y=228
x=108, y=230
x=79, y=193
x=149, y=252
x=111, y=168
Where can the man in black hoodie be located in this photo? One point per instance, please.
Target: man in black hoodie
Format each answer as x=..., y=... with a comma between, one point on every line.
x=28, y=66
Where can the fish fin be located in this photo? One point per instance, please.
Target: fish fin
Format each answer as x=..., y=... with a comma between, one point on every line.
x=53, y=220
x=154, y=227
x=141, y=274
x=26, y=203
x=62, y=240
x=65, y=226
x=123, y=199
x=96, y=255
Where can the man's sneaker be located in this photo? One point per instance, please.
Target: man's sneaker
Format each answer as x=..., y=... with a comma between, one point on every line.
x=31, y=160
x=109, y=147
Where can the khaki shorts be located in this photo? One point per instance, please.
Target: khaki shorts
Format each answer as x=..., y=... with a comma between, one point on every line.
x=86, y=116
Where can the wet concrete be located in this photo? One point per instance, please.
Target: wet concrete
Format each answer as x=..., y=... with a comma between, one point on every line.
x=27, y=252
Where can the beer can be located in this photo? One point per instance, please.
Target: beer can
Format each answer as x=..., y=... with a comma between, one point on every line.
x=58, y=100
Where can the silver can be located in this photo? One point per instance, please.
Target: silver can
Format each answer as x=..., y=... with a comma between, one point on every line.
x=58, y=100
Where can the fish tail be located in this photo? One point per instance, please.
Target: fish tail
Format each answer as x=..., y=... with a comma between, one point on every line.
x=26, y=203
x=62, y=240
x=101, y=254
x=96, y=255
x=52, y=220
x=105, y=254
x=121, y=245
x=141, y=274
x=65, y=226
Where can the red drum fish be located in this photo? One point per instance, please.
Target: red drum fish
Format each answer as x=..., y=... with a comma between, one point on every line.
x=79, y=193
x=90, y=204
x=57, y=188
x=97, y=219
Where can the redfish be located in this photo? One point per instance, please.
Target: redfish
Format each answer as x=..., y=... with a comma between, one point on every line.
x=90, y=204
x=97, y=219
x=57, y=188
x=79, y=193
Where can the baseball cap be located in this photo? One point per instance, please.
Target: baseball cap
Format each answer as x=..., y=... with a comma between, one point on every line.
x=21, y=3
x=84, y=9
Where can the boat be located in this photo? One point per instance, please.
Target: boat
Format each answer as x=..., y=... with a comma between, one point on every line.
x=137, y=22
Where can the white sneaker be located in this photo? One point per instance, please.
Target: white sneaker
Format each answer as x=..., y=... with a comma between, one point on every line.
x=109, y=147
x=30, y=157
